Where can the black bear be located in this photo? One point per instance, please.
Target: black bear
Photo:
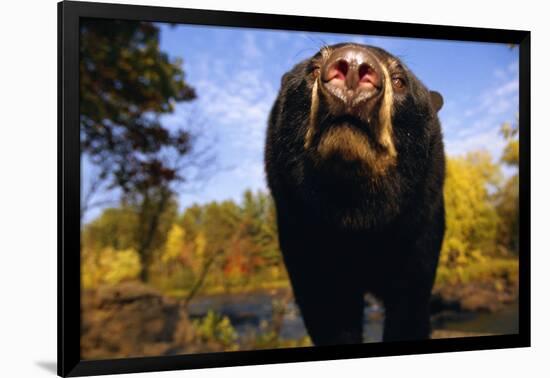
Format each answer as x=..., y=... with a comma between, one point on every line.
x=355, y=163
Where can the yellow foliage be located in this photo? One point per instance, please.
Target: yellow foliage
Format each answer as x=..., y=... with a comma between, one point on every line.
x=510, y=155
x=198, y=253
x=200, y=245
x=109, y=266
x=218, y=328
x=175, y=243
x=487, y=271
x=470, y=216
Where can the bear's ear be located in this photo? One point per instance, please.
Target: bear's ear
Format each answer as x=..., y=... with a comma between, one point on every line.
x=437, y=100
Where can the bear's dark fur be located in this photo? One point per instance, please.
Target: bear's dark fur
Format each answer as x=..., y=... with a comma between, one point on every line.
x=359, y=194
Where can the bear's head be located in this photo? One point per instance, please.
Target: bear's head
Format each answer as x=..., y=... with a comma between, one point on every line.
x=360, y=133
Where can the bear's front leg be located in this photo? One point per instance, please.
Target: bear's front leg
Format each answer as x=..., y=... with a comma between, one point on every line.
x=407, y=316
x=330, y=301
x=327, y=285
x=410, y=279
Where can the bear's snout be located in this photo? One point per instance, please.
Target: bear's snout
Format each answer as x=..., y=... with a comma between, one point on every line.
x=352, y=74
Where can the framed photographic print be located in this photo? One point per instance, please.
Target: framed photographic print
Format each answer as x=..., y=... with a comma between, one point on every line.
x=240, y=188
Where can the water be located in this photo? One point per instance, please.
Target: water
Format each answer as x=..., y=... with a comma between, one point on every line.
x=250, y=313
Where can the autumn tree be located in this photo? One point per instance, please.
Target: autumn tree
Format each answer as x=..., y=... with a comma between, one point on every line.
x=115, y=227
x=470, y=214
x=225, y=244
x=259, y=214
x=118, y=229
x=126, y=84
x=508, y=196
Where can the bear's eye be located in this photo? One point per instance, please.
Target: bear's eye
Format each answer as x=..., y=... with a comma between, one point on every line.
x=398, y=82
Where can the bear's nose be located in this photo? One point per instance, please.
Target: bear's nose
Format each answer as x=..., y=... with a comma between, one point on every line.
x=351, y=69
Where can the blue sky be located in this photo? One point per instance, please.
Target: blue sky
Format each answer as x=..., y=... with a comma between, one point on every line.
x=236, y=73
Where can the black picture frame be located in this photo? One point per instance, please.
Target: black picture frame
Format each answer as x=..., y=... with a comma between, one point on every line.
x=69, y=359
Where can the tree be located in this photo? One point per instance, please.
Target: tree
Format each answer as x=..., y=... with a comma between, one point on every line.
x=156, y=210
x=470, y=215
x=510, y=155
x=108, y=266
x=115, y=227
x=209, y=231
x=126, y=84
x=507, y=198
x=126, y=227
x=175, y=244
x=259, y=214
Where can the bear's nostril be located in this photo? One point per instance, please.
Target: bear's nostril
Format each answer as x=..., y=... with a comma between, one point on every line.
x=339, y=70
x=364, y=71
x=343, y=67
x=368, y=76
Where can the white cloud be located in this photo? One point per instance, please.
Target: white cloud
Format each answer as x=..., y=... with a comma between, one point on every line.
x=235, y=99
x=503, y=73
x=498, y=99
x=487, y=140
x=242, y=105
x=250, y=47
x=506, y=89
x=235, y=95
x=478, y=127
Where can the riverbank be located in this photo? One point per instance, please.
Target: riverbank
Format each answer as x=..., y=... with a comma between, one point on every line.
x=132, y=319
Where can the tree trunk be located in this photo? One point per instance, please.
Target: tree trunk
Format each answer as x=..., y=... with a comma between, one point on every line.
x=149, y=222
